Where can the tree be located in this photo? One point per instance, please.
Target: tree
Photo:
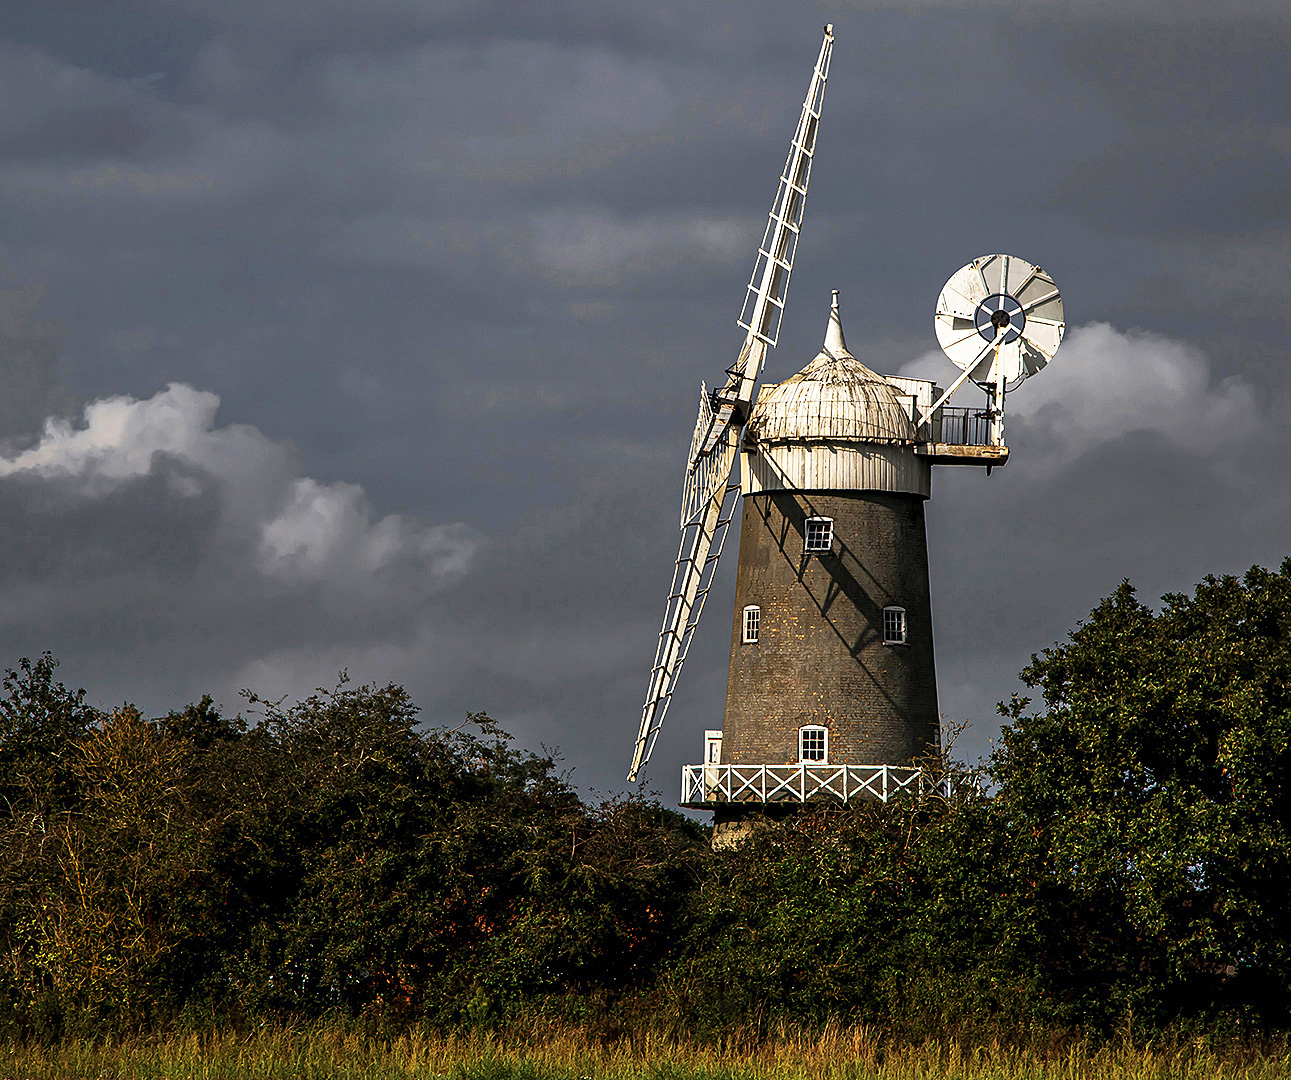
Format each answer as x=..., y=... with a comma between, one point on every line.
x=1151, y=796
x=443, y=874
x=40, y=721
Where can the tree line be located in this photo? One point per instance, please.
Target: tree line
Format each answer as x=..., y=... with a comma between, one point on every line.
x=1125, y=858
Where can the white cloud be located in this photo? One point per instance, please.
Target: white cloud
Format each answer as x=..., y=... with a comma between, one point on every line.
x=291, y=528
x=1105, y=382
x=324, y=528
x=121, y=435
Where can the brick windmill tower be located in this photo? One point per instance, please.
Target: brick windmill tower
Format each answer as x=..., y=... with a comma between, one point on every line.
x=831, y=691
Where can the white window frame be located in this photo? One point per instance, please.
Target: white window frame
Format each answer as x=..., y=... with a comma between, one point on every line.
x=752, y=624
x=813, y=729
x=713, y=746
x=896, y=626
x=823, y=541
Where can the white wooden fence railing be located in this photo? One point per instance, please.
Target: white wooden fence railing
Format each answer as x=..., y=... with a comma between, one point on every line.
x=703, y=785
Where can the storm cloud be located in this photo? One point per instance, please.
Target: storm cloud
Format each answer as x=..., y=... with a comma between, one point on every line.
x=367, y=336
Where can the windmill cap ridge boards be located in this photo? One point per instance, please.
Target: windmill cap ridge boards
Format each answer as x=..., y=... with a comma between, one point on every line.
x=835, y=397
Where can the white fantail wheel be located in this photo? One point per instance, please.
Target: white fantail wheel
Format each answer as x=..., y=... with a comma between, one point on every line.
x=999, y=319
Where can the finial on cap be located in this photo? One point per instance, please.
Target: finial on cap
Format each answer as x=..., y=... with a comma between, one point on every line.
x=835, y=343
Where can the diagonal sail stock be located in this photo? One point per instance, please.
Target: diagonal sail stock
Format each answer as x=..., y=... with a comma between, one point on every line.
x=701, y=546
x=768, y=287
x=708, y=492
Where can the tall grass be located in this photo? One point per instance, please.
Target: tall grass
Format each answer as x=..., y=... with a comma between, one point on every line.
x=561, y=1054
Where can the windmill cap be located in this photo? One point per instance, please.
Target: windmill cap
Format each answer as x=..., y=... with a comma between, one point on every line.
x=835, y=397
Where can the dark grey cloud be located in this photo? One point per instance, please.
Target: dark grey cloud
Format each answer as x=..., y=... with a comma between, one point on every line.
x=29, y=359
x=455, y=270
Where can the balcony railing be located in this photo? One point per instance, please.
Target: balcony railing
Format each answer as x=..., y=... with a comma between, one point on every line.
x=960, y=427
x=704, y=785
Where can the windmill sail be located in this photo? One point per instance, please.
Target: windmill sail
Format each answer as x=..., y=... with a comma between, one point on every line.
x=708, y=492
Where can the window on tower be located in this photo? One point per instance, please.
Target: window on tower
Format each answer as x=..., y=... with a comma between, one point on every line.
x=894, y=626
x=819, y=534
x=752, y=622
x=813, y=744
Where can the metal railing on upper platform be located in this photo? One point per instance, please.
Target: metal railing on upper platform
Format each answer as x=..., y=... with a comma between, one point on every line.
x=704, y=785
x=959, y=427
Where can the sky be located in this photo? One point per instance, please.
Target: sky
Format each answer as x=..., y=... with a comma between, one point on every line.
x=365, y=336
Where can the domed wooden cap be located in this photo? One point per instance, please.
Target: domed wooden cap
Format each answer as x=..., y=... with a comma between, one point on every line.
x=834, y=398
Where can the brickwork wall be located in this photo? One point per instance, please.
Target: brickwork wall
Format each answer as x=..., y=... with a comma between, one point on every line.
x=820, y=657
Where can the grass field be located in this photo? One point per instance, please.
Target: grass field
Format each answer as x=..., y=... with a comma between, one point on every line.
x=838, y=1054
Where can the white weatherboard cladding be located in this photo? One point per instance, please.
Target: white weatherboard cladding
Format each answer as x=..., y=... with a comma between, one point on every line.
x=835, y=425
x=917, y=395
x=837, y=466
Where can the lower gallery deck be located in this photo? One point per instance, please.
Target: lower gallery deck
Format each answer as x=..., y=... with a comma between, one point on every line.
x=704, y=786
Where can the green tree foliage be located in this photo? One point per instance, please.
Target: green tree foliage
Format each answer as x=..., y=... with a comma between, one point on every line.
x=444, y=874
x=1152, y=796
x=909, y=916
x=1134, y=859
x=1128, y=857
x=333, y=858
x=40, y=721
x=113, y=899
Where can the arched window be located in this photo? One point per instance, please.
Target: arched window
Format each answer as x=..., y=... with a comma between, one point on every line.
x=813, y=745
x=752, y=623
x=894, y=626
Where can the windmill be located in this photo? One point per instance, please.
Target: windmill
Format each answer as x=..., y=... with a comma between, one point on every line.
x=831, y=688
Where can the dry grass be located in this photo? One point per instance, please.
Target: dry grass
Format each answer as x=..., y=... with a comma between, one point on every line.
x=838, y=1054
